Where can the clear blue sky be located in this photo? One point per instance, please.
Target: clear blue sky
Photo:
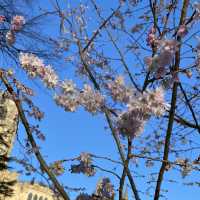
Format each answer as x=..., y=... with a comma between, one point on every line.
x=69, y=134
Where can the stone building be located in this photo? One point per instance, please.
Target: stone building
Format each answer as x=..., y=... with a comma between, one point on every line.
x=8, y=127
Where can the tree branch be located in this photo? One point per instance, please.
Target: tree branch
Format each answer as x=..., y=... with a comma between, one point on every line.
x=190, y=107
x=37, y=153
x=123, y=176
x=172, y=109
x=108, y=118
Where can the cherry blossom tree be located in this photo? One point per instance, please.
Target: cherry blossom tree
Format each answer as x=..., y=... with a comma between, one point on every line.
x=138, y=68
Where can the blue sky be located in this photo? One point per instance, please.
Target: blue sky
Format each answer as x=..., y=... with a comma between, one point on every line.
x=69, y=134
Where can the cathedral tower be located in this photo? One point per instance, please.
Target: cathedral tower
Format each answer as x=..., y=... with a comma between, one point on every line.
x=8, y=124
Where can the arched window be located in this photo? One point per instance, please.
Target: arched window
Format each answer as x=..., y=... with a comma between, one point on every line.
x=46, y=199
x=41, y=198
x=35, y=197
x=29, y=196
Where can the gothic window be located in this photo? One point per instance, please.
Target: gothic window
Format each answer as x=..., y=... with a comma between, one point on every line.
x=41, y=198
x=45, y=199
x=35, y=197
x=29, y=196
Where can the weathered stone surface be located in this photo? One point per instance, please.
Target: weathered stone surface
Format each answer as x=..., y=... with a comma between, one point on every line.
x=26, y=190
x=8, y=124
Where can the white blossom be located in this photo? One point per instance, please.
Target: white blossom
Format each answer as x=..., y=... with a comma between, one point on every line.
x=68, y=102
x=140, y=109
x=118, y=90
x=90, y=99
x=35, y=67
x=67, y=87
x=164, y=57
x=131, y=123
x=50, y=78
x=17, y=23
x=31, y=64
x=10, y=37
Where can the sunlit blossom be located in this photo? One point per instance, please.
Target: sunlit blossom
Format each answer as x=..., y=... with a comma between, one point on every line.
x=164, y=57
x=182, y=31
x=90, y=99
x=35, y=67
x=17, y=23
x=151, y=36
x=118, y=90
x=140, y=109
x=10, y=37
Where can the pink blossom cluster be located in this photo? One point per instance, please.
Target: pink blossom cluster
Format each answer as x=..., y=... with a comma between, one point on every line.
x=151, y=36
x=70, y=98
x=182, y=30
x=35, y=67
x=140, y=106
x=16, y=25
x=140, y=109
x=69, y=103
x=152, y=102
x=91, y=100
x=160, y=61
x=85, y=165
x=2, y=18
x=10, y=37
x=31, y=64
x=49, y=77
x=118, y=90
x=131, y=123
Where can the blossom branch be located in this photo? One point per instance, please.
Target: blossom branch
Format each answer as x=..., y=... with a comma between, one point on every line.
x=122, y=59
x=172, y=109
x=184, y=122
x=106, y=170
x=108, y=118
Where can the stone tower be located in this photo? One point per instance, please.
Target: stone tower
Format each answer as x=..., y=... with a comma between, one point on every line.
x=8, y=124
x=8, y=129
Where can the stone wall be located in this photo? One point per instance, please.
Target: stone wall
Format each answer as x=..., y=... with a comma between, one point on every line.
x=8, y=124
x=26, y=190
